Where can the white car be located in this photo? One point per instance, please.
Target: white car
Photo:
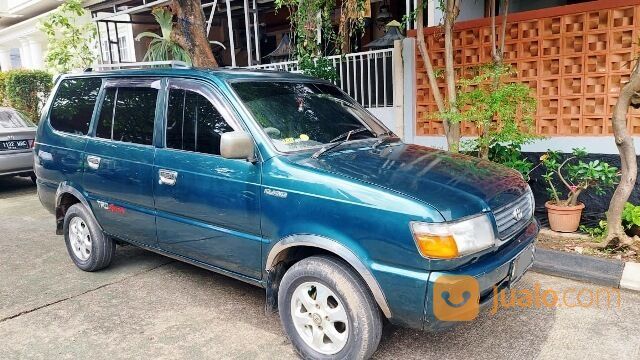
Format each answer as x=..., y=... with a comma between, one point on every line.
x=17, y=136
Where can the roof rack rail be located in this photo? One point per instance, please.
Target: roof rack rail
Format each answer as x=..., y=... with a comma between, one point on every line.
x=172, y=63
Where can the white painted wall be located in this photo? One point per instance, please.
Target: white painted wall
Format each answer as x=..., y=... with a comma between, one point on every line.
x=385, y=115
x=469, y=10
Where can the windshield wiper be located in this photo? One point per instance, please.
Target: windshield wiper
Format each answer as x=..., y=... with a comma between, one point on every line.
x=335, y=142
x=384, y=137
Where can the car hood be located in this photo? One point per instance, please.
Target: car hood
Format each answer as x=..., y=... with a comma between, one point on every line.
x=456, y=185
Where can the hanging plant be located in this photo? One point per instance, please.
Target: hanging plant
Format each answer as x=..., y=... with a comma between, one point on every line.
x=307, y=16
x=162, y=47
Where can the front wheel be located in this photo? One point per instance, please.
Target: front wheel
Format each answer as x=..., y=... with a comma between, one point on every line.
x=327, y=311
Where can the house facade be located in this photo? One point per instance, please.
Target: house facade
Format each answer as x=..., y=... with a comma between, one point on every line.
x=574, y=57
x=22, y=45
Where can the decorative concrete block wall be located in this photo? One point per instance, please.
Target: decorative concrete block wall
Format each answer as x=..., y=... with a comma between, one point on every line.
x=573, y=57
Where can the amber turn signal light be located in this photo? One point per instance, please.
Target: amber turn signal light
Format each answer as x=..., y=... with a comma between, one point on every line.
x=437, y=246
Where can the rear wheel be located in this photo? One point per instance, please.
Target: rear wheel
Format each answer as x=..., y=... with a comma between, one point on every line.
x=87, y=246
x=327, y=311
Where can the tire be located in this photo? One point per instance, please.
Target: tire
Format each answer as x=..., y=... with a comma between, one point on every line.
x=96, y=250
x=33, y=177
x=344, y=290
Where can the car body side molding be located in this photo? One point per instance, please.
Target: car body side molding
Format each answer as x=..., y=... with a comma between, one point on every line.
x=336, y=248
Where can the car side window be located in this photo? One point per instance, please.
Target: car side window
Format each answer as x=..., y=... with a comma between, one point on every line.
x=193, y=123
x=127, y=114
x=73, y=105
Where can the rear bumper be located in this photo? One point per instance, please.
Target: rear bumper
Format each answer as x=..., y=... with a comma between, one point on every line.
x=16, y=162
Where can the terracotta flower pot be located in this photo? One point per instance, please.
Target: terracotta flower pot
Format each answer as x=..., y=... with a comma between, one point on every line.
x=564, y=218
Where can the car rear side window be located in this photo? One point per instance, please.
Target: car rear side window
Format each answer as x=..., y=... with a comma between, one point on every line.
x=193, y=123
x=73, y=105
x=127, y=114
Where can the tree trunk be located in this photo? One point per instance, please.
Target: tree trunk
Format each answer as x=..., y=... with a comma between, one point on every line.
x=428, y=66
x=483, y=151
x=498, y=60
x=190, y=32
x=492, y=14
x=615, y=233
x=504, y=4
x=452, y=10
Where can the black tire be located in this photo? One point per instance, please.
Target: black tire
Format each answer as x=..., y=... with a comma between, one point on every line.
x=365, y=321
x=33, y=177
x=102, y=247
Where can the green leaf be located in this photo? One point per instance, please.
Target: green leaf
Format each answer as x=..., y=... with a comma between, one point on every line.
x=147, y=34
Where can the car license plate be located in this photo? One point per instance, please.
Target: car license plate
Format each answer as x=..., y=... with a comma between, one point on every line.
x=521, y=264
x=14, y=145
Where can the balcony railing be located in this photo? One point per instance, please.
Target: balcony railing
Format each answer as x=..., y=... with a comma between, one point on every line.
x=365, y=76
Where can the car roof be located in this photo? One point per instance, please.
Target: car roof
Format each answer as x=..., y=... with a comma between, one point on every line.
x=226, y=74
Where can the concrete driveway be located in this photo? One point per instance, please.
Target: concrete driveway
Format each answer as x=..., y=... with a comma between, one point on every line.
x=148, y=306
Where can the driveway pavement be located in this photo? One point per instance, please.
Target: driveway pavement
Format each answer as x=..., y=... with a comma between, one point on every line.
x=148, y=306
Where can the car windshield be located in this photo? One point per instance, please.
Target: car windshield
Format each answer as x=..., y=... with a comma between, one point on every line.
x=299, y=116
x=11, y=119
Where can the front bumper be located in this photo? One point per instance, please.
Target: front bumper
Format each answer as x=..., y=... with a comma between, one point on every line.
x=410, y=293
x=501, y=270
x=16, y=162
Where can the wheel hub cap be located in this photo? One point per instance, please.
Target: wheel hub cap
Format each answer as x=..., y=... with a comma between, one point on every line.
x=80, y=238
x=320, y=317
x=317, y=319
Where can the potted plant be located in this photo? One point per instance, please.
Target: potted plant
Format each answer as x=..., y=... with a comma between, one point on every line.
x=575, y=176
x=631, y=219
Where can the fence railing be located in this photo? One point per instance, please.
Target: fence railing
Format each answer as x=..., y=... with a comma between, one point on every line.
x=365, y=76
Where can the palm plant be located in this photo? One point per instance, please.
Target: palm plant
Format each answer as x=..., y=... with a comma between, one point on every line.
x=162, y=48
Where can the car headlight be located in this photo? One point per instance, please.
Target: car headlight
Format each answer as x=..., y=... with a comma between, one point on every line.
x=450, y=240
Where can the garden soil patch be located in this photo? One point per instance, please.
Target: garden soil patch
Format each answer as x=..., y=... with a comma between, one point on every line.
x=577, y=243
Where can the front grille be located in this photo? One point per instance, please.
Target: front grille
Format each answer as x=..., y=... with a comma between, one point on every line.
x=506, y=219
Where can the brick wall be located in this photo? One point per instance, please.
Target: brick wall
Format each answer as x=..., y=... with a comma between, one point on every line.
x=573, y=57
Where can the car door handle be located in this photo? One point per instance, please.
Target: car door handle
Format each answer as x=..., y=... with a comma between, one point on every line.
x=93, y=162
x=167, y=177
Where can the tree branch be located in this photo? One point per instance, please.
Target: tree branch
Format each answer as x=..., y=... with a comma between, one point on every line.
x=560, y=172
x=451, y=13
x=492, y=12
x=505, y=12
x=428, y=66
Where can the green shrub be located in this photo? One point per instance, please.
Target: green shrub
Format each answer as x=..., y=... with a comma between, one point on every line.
x=577, y=176
x=318, y=67
x=510, y=154
x=630, y=215
x=2, y=92
x=26, y=90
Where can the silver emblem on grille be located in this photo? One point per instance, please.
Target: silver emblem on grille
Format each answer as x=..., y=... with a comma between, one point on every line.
x=517, y=214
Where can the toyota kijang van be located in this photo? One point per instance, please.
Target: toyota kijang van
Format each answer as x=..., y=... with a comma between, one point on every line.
x=285, y=182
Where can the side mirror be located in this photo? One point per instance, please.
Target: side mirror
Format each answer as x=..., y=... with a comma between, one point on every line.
x=237, y=145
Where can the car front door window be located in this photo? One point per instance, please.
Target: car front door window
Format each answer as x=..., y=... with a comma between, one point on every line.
x=210, y=213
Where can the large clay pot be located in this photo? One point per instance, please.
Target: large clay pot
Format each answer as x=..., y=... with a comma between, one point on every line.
x=564, y=218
